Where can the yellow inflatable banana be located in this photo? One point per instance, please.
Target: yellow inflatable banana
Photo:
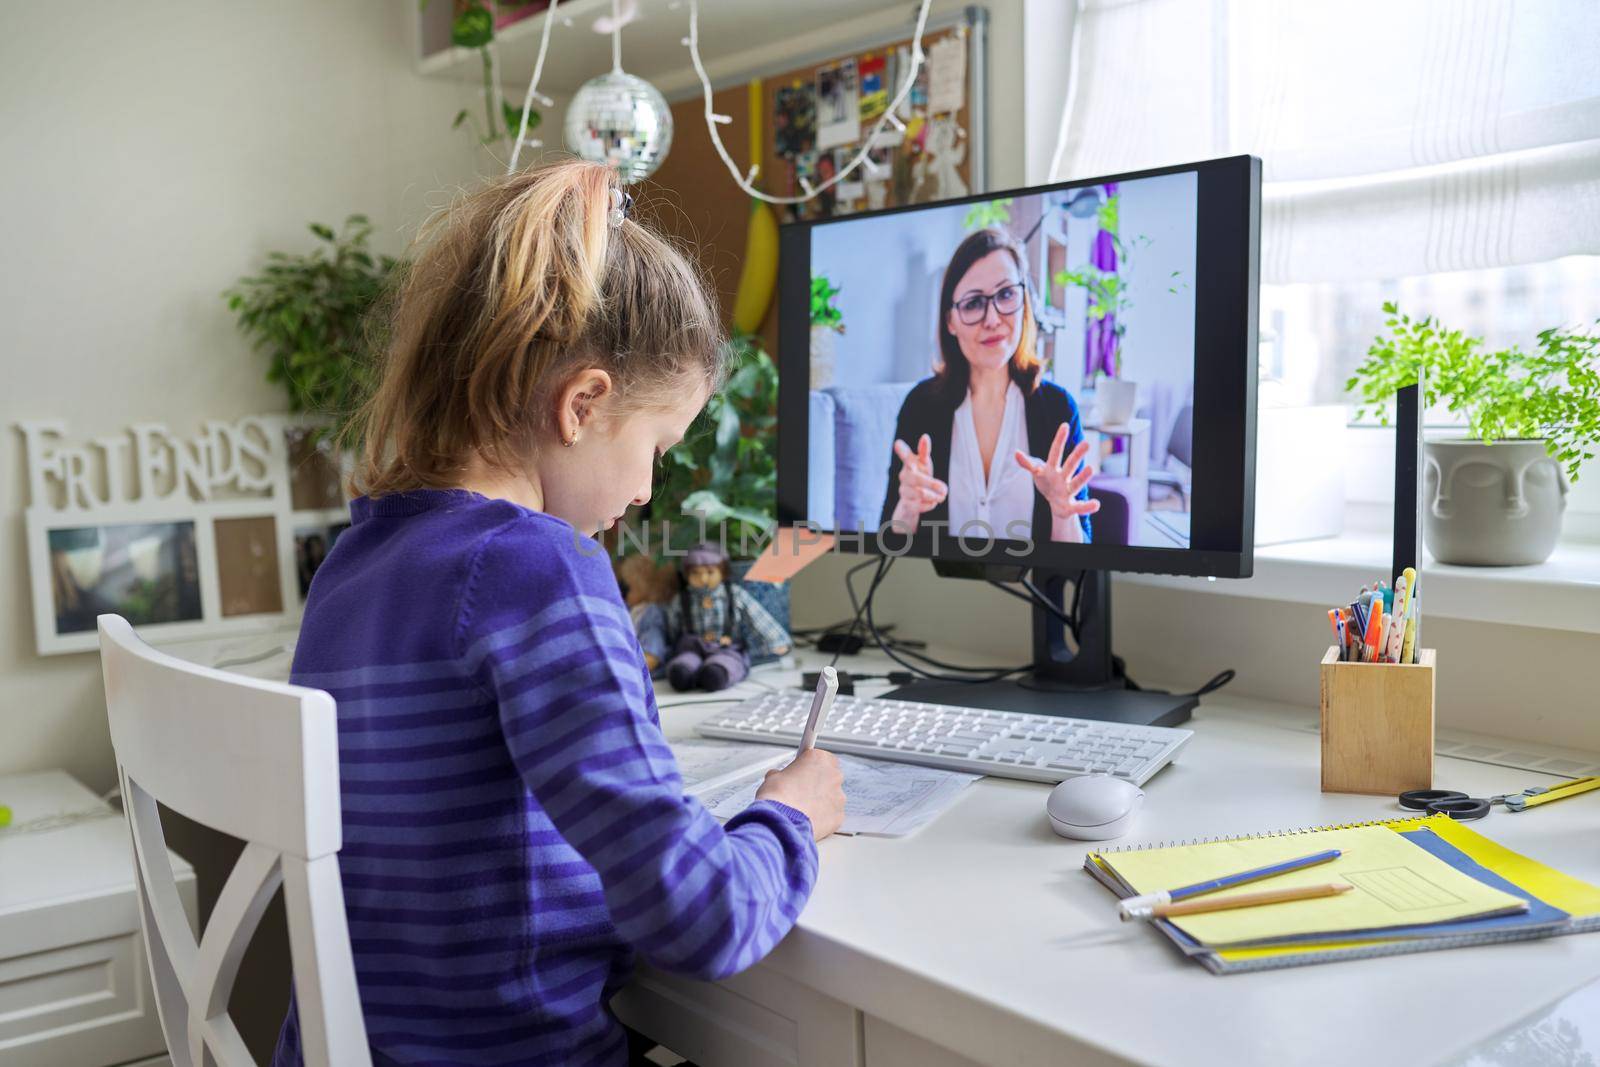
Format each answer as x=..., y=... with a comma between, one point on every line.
x=758, y=277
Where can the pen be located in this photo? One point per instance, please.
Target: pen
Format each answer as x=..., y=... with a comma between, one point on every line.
x=1250, y=900
x=1395, y=631
x=1358, y=619
x=827, y=689
x=1375, y=631
x=1408, y=646
x=1136, y=907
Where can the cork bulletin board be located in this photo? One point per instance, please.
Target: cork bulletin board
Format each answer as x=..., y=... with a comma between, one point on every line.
x=811, y=120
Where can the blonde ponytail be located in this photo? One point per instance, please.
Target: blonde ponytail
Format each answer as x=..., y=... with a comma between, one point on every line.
x=514, y=288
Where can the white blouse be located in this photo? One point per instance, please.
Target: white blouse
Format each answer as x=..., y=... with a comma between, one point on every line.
x=1006, y=495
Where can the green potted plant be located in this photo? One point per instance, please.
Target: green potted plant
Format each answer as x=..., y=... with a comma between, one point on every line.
x=827, y=321
x=1496, y=496
x=473, y=25
x=309, y=312
x=724, y=475
x=1115, y=398
x=988, y=213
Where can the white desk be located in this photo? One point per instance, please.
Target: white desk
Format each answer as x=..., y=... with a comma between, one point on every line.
x=979, y=939
x=74, y=982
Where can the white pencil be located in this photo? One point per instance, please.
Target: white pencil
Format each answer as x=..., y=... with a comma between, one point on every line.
x=827, y=688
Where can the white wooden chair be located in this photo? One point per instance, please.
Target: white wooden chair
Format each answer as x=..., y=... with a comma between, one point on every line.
x=258, y=761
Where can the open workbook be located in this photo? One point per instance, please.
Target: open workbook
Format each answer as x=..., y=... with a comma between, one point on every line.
x=882, y=798
x=1419, y=884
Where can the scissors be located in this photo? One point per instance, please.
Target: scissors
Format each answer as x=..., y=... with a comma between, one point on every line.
x=1461, y=807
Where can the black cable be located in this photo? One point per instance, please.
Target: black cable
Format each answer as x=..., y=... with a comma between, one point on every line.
x=1077, y=600
x=1218, y=680
x=990, y=674
x=1071, y=619
x=1035, y=596
x=849, y=585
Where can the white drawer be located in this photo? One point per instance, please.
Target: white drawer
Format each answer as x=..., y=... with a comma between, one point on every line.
x=754, y=1019
x=78, y=1005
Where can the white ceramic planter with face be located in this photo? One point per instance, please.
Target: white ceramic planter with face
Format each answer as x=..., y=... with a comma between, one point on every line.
x=1493, y=505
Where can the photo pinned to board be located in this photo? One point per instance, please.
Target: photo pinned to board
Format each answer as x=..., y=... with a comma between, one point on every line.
x=852, y=186
x=794, y=121
x=879, y=175
x=874, y=86
x=917, y=98
x=802, y=165
x=838, y=105
x=827, y=199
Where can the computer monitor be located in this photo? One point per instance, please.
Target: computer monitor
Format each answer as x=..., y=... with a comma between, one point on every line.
x=979, y=339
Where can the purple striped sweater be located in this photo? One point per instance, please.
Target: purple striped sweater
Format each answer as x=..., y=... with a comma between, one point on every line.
x=515, y=828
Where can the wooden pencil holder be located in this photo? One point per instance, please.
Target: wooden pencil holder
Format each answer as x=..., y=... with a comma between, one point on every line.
x=1377, y=725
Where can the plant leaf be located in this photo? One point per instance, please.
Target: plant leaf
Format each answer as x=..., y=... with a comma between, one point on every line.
x=473, y=26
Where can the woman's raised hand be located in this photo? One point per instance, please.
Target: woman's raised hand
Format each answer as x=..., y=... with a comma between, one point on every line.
x=1058, y=480
x=920, y=491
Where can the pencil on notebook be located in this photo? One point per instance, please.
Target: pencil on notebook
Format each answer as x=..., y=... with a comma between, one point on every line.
x=1248, y=900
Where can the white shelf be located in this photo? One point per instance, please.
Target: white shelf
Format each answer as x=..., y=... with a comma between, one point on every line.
x=1563, y=593
x=733, y=36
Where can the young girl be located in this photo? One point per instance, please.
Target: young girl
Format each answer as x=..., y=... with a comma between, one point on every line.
x=515, y=829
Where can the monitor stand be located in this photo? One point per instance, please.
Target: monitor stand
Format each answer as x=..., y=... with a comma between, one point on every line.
x=1080, y=685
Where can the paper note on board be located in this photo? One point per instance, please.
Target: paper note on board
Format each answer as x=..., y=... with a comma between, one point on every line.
x=947, y=74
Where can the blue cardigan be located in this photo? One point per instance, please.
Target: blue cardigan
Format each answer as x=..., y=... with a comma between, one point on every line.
x=515, y=828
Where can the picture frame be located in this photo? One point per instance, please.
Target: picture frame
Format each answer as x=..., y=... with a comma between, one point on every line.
x=203, y=540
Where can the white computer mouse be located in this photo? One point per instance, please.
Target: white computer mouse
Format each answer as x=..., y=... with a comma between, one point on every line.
x=1093, y=807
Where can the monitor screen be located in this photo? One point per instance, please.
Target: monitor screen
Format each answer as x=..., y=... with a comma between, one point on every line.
x=1061, y=376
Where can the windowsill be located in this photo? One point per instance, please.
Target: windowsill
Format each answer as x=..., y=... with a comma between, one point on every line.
x=1562, y=593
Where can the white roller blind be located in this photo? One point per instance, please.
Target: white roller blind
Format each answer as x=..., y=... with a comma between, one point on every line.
x=1397, y=137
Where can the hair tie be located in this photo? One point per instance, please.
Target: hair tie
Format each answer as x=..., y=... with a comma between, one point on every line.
x=620, y=203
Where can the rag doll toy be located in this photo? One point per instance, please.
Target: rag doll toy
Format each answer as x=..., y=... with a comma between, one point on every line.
x=713, y=626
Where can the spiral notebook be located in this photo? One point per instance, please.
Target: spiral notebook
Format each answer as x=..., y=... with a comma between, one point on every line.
x=1460, y=883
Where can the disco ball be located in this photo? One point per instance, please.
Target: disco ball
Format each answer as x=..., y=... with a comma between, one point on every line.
x=621, y=121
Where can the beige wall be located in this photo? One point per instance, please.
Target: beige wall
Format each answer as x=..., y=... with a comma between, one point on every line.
x=154, y=152
x=1510, y=681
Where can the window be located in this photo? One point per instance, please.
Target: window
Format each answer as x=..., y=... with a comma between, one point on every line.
x=1441, y=153
x=1315, y=334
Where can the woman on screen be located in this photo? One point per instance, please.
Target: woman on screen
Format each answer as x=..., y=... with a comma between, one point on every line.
x=968, y=439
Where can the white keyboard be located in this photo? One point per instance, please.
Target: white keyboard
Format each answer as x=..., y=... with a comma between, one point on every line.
x=1005, y=744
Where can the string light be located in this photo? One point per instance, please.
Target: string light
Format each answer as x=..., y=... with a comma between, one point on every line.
x=714, y=119
x=858, y=160
x=533, y=87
